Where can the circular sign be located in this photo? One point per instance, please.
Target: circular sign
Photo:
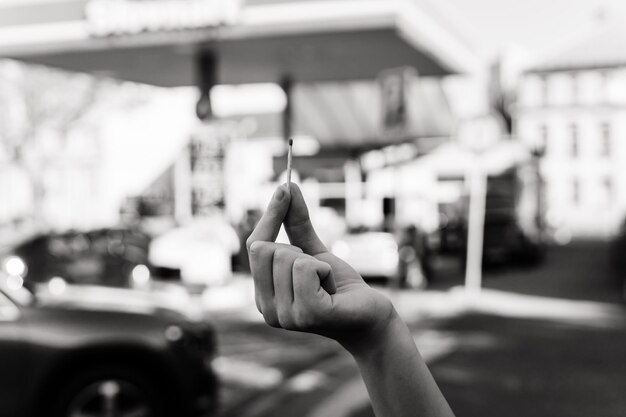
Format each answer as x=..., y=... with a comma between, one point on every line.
x=481, y=133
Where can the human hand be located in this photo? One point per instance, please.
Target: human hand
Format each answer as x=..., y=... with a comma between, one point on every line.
x=304, y=287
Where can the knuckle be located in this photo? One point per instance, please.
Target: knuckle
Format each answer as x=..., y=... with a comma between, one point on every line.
x=257, y=301
x=302, y=265
x=250, y=244
x=285, y=320
x=281, y=254
x=270, y=317
x=304, y=319
x=299, y=265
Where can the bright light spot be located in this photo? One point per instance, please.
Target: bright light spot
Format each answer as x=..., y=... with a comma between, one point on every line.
x=246, y=373
x=14, y=265
x=304, y=145
x=246, y=99
x=307, y=381
x=15, y=282
x=173, y=333
x=109, y=389
x=341, y=249
x=141, y=275
x=57, y=286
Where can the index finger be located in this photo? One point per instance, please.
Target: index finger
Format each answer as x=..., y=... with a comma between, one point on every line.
x=268, y=227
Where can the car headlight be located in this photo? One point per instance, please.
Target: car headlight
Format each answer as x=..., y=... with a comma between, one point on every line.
x=57, y=286
x=140, y=275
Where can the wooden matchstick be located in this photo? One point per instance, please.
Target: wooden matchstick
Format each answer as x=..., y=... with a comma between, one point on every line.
x=289, y=159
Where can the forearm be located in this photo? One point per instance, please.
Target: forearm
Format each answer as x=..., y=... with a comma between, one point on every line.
x=397, y=378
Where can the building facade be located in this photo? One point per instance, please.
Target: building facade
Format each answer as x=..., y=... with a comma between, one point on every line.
x=574, y=114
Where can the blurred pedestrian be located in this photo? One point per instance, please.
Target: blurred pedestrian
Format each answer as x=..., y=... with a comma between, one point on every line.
x=303, y=287
x=245, y=227
x=415, y=258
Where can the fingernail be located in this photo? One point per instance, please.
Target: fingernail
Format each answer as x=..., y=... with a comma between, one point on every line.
x=280, y=193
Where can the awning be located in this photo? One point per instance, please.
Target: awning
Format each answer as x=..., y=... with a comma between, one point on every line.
x=258, y=41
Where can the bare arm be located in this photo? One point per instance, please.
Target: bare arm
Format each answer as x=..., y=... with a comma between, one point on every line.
x=397, y=379
x=303, y=287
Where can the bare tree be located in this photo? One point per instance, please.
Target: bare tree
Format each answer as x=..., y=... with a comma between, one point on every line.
x=38, y=102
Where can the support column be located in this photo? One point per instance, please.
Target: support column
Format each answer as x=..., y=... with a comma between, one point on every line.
x=287, y=84
x=206, y=75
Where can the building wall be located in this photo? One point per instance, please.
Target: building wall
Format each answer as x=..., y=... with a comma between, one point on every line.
x=579, y=117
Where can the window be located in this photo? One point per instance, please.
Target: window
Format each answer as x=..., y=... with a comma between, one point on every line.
x=607, y=185
x=605, y=140
x=575, y=191
x=543, y=137
x=575, y=89
x=604, y=86
x=574, y=145
x=545, y=92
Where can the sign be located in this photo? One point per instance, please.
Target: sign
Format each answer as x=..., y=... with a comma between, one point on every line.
x=207, y=152
x=395, y=89
x=481, y=133
x=131, y=17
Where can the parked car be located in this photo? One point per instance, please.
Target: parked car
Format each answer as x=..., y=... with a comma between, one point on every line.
x=198, y=254
x=371, y=254
x=65, y=358
x=112, y=257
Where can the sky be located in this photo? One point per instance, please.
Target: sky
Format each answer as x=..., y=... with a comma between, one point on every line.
x=538, y=27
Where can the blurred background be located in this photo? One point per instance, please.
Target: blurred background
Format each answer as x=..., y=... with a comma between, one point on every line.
x=464, y=156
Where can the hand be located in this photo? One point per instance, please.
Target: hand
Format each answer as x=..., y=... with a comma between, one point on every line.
x=303, y=287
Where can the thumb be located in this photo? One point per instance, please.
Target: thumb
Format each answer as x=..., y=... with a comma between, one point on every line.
x=298, y=224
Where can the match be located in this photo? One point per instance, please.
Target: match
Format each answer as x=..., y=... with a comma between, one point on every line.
x=289, y=159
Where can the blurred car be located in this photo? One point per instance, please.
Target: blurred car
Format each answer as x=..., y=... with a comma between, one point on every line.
x=371, y=254
x=65, y=358
x=198, y=254
x=112, y=257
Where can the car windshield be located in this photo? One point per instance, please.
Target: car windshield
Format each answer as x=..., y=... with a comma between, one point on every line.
x=99, y=257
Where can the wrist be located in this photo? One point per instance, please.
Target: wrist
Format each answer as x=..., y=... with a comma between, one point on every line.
x=373, y=341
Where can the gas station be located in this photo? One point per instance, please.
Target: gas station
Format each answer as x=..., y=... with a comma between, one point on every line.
x=360, y=77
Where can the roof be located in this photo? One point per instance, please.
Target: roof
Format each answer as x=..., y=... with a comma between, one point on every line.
x=605, y=48
x=262, y=41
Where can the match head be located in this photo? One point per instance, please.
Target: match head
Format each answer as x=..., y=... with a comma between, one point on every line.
x=290, y=142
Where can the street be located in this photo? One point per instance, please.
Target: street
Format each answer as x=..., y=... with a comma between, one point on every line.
x=529, y=346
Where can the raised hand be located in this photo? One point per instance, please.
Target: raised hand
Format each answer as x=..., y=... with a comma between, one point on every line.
x=304, y=287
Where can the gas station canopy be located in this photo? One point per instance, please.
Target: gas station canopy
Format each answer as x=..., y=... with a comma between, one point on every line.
x=158, y=41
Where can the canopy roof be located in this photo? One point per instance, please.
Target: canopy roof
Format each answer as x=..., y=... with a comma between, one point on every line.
x=256, y=41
